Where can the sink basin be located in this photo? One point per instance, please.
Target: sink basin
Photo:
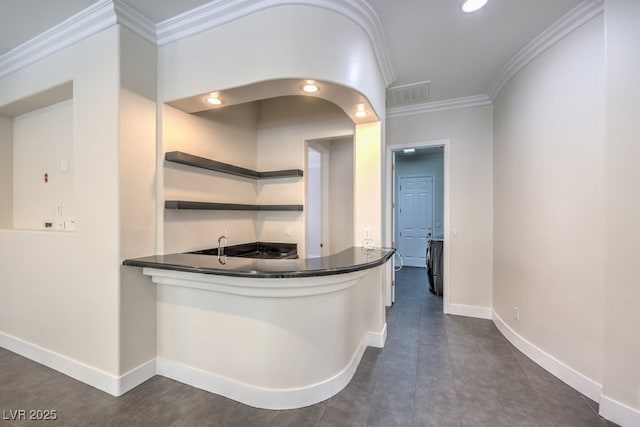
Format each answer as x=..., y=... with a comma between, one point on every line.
x=259, y=250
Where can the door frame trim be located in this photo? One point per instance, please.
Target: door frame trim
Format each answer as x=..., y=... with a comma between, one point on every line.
x=390, y=219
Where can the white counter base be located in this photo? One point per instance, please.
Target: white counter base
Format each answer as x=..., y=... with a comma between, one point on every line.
x=269, y=343
x=269, y=398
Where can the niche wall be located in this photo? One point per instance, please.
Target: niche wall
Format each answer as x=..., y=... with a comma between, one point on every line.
x=36, y=166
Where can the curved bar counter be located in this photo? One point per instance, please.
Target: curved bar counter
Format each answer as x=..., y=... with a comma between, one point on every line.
x=274, y=334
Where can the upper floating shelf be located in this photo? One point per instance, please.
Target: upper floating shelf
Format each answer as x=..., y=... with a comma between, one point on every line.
x=204, y=163
x=211, y=206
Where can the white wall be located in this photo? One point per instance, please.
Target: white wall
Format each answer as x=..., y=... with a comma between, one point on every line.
x=137, y=169
x=226, y=135
x=622, y=316
x=137, y=228
x=341, y=195
x=367, y=191
x=470, y=134
x=60, y=291
x=6, y=172
x=549, y=201
x=284, y=125
x=42, y=139
x=427, y=164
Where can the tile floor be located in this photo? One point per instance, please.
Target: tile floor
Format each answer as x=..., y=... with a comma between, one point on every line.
x=436, y=370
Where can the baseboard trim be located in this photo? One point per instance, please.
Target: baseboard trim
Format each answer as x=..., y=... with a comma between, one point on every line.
x=377, y=339
x=137, y=376
x=564, y=372
x=469, y=311
x=618, y=412
x=111, y=384
x=261, y=397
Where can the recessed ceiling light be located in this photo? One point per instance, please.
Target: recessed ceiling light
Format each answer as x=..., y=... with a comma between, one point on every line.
x=310, y=87
x=472, y=5
x=409, y=150
x=213, y=99
x=360, y=111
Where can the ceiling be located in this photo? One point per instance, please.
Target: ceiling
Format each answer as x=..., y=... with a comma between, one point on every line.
x=427, y=40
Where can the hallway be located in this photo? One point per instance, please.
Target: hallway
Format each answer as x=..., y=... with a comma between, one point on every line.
x=436, y=370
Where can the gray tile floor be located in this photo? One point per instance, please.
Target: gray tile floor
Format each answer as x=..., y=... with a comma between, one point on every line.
x=436, y=370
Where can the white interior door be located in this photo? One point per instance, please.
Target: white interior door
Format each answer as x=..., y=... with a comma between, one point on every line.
x=415, y=218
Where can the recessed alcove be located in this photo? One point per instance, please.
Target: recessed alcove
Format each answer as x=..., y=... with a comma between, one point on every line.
x=239, y=169
x=36, y=161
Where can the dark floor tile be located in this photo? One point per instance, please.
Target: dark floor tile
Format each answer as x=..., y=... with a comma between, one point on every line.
x=432, y=373
x=476, y=401
x=213, y=411
x=336, y=417
x=402, y=341
x=516, y=391
x=354, y=395
x=308, y=416
x=391, y=414
x=439, y=397
x=423, y=416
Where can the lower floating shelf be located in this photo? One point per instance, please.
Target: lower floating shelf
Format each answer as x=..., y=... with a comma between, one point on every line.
x=183, y=204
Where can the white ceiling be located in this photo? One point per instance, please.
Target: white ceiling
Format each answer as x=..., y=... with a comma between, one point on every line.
x=428, y=40
x=460, y=53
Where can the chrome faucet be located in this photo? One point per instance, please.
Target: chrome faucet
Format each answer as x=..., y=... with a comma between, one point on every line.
x=220, y=247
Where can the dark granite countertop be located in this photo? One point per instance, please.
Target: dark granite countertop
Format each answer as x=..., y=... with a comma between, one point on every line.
x=349, y=260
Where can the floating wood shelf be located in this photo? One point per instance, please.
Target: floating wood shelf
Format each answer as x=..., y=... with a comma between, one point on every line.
x=185, y=204
x=213, y=165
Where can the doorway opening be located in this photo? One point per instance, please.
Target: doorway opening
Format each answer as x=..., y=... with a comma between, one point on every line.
x=418, y=197
x=329, y=196
x=316, y=187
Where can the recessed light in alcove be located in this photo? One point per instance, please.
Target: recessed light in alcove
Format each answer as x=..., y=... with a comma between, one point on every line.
x=310, y=87
x=349, y=100
x=361, y=111
x=213, y=99
x=472, y=5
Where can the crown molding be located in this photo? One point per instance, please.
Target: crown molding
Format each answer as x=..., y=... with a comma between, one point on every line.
x=97, y=17
x=574, y=19
x=433, y=107
x=106, y=13
x=133, y=20
x=220, y=12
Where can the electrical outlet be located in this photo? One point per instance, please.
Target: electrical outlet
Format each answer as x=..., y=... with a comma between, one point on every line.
x=367, y=233
x=287, y=231
x=516, y=313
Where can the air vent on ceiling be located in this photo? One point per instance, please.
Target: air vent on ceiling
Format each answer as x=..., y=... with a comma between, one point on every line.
x=408, y=94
